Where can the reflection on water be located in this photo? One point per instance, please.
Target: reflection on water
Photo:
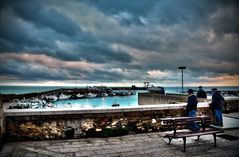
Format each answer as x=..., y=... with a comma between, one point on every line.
x=101, y=102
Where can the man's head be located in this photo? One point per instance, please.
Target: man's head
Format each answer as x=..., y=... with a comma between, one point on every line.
x=200, y=87
x=190, y=91
x=214, y=90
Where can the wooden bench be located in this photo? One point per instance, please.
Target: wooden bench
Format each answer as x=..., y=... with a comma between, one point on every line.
x=174, y=122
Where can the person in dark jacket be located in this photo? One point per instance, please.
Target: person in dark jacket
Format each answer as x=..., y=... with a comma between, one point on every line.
x=216, y=106
x=191, y=109
x=201, y=93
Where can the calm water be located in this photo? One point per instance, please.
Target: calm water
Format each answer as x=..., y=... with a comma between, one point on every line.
x=104, y=102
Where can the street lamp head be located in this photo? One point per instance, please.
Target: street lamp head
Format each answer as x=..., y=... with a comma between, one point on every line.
x=181, y=67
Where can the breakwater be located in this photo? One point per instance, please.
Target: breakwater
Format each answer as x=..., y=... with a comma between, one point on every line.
x=67, y=91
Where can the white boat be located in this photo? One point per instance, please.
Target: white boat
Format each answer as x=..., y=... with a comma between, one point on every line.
x=36, y=103
x=64, y=97
x=104, y=95
x=91, y=95
x=48, y=105
x=79, y=95
x=131, y=92
x=51, y=97
x=17, y=104
x=122, y=92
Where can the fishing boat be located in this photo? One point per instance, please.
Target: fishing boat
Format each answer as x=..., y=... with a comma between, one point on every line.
x=104, y=94
x=91, y=95
x=51, y=98
x=19, y=104
x=79, y=95
x=115, y=105
x=63, y=97
x=36, y=103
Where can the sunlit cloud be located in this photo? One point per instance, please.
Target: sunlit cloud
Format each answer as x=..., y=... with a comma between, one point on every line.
x=118, y=42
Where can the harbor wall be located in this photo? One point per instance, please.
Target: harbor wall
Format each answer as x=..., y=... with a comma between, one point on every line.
x=2, y=124
x=153, y=98
x=90, y=123
x=230, y=104
x=2, y=119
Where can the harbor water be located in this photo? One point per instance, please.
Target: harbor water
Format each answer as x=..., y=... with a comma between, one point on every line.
x=100, y=102
x=97, y=102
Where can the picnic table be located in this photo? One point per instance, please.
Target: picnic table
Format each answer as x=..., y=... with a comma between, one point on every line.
x=175, y=121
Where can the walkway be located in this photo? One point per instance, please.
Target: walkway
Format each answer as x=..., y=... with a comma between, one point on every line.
x=150, y=144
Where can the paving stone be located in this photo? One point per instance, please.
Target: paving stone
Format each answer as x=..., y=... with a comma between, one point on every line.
x=70, y=155
x=7, y=149
x=30, y=155
x=4, y=154
x=150, y=144
x=42, y=155
x=80, y=154
x=68, y=150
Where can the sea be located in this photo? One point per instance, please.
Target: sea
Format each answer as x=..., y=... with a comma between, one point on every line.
x=99, y=102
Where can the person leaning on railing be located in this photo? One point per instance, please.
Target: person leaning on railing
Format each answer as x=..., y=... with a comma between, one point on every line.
x=216, y=107
x=191, y=109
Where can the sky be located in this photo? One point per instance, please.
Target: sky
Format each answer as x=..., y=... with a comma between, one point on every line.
x=52, y=42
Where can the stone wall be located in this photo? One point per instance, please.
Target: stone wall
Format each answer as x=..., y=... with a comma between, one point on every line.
x=231, y=105
x=36, y=127
x=2, y=128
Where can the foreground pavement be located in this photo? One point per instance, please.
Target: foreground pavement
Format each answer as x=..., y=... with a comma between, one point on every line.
x=150, y=144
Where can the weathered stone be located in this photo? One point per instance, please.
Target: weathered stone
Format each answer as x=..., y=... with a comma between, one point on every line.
x=98, y=129
x=154, y=121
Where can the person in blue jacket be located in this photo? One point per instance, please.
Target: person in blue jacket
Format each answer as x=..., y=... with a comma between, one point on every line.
x=216, y=106
x=191, y=109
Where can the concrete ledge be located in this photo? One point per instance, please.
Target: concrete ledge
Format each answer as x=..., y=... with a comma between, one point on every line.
x=63, y=111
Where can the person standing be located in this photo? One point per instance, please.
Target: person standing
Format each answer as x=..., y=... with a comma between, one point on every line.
x=201, y=93
x=216, y=106
x=191, y=109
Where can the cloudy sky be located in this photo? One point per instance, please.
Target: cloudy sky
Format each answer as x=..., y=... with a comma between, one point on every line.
x=51, y=42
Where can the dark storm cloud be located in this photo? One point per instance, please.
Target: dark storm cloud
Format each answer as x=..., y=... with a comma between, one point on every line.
x=141, y=7
x=130, y=40
x=35, y=28
x=28, y=72
x=43, y=16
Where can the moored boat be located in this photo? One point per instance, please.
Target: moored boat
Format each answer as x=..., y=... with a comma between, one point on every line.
x=63, y=97
x=79, y=95
x=91, y=95
x=115, y=105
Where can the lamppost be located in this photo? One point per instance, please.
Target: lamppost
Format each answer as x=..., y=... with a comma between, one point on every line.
x=182, y=76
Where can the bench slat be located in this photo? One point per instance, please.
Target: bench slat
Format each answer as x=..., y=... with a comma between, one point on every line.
x=182, y=118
